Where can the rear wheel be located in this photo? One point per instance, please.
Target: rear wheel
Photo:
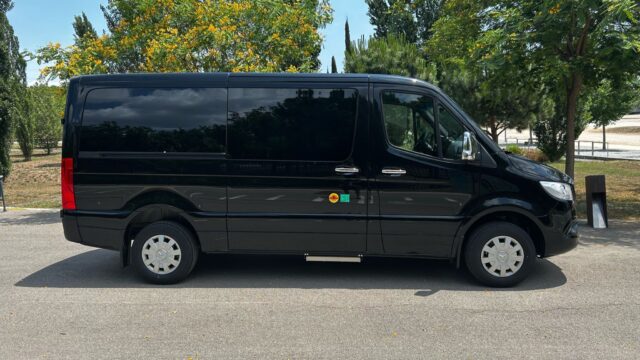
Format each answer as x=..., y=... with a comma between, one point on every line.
x=164, y=252
x=500, y=254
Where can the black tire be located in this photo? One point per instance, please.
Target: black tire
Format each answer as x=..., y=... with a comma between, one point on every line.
x=473, y=254
x=187, y=247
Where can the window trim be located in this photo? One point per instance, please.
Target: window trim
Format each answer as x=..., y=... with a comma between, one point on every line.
x=384, y=125
x=436, y=102
x=297, y=86
x=150, y=154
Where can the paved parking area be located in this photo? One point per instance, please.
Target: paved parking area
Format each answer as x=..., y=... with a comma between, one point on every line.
x=63, y=300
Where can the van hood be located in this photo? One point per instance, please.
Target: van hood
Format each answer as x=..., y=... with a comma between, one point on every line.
x=540, y=171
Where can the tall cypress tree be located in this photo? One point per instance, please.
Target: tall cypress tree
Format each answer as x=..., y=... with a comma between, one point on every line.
x=334, y=67
x=347, y=36
x=83, y=28
x=12, y=77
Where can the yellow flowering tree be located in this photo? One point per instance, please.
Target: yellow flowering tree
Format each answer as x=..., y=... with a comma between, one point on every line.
x=196, y=36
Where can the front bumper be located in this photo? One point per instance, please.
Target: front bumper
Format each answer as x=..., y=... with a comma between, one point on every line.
x=558, y=242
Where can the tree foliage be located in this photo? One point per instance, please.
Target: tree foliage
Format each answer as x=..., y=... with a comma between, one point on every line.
x=410, y=19
x=574, y=44
x=47, y=108
x=334, y=67
x=347, y=36
x=389, y=55
x=82, y=29
x=496, y=95
x=24, y=125
x=12, y=80
x=197, y=35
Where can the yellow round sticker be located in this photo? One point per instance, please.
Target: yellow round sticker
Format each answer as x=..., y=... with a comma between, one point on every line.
x=333, y=198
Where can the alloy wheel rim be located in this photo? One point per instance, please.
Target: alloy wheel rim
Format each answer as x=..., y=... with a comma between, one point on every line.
x=161, y=254
x=502, y=256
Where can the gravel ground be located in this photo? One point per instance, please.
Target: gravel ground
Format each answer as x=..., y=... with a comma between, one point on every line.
x=62, y=300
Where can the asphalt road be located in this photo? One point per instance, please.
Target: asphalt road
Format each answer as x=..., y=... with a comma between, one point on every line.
x=63, y=300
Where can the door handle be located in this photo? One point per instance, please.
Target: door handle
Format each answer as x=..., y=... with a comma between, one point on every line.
x=347, y=170
x=394, y=171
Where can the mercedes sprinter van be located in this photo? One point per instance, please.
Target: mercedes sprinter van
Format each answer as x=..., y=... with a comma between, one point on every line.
x=164, y=167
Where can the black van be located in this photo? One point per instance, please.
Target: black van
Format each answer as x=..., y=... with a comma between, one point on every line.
x=162, y=167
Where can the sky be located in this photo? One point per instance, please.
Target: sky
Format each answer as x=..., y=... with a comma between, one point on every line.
x=39, y=22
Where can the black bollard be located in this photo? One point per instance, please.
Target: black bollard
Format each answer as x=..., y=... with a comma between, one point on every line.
x=596, y=201
x=4, y=206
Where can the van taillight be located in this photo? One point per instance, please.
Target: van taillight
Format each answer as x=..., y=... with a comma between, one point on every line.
x=68, y=196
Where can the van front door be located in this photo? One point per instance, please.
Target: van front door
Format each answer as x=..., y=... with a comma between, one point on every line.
x=422, y=184
x=296, y=167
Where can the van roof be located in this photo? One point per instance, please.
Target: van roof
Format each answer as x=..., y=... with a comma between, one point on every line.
x=293, y=77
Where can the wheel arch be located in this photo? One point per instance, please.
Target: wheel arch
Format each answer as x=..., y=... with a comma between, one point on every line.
x=511, y=214
x=151, y=213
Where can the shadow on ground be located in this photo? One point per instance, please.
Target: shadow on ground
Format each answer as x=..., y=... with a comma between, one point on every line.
x=30, y=218
x=619, y=233
x=101, y=269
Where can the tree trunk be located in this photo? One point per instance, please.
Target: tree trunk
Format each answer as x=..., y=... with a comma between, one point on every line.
x=604, y=137
x=573, y=91
x=494, y=129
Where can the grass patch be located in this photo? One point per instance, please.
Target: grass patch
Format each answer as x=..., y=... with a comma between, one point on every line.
x=35, y=183
x=623, y=186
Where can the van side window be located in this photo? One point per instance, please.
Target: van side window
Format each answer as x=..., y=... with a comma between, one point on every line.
x=182, y=120
x=409, y=121
x=451, y=134
x=291, y=124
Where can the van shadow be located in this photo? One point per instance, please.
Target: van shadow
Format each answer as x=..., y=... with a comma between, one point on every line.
x=101, y=269
x=30, y=218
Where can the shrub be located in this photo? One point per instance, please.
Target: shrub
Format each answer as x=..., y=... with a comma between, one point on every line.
x=536, y=155
x=514, y=149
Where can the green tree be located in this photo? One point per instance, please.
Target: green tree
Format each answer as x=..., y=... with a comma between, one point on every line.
x=347, y=36
x=197, y=36
x=575, y=44
x=550, y=125
x=12, y=79
x=390, y=55
x=25, y=124
x=83, y=28
x=609, y=102
x=495, y=94
x=46, y=109
x=410, y=19
x=334, y=67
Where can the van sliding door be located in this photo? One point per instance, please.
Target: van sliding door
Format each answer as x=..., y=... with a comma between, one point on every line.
x=296, y=168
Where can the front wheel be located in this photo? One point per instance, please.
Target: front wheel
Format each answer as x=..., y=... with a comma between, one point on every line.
x=500, y=254
x=164, y=252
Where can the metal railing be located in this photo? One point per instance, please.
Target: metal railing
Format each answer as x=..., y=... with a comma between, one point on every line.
x=601, y=151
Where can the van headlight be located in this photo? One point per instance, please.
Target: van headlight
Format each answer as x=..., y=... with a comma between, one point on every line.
x=558, y=190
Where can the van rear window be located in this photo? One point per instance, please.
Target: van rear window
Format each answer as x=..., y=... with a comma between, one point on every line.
x=291, y=124
x=155, y=120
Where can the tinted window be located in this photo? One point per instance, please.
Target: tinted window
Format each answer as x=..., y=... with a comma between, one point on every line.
x=409, y=121
x=154, y=120
x=451, y=134
x=291, y=124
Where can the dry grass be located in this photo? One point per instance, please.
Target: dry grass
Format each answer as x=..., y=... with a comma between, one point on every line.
x=623, y=186
x=624, y=130
x=35, y=183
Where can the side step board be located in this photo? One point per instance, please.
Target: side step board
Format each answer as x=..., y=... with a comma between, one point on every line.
x=350, y=259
